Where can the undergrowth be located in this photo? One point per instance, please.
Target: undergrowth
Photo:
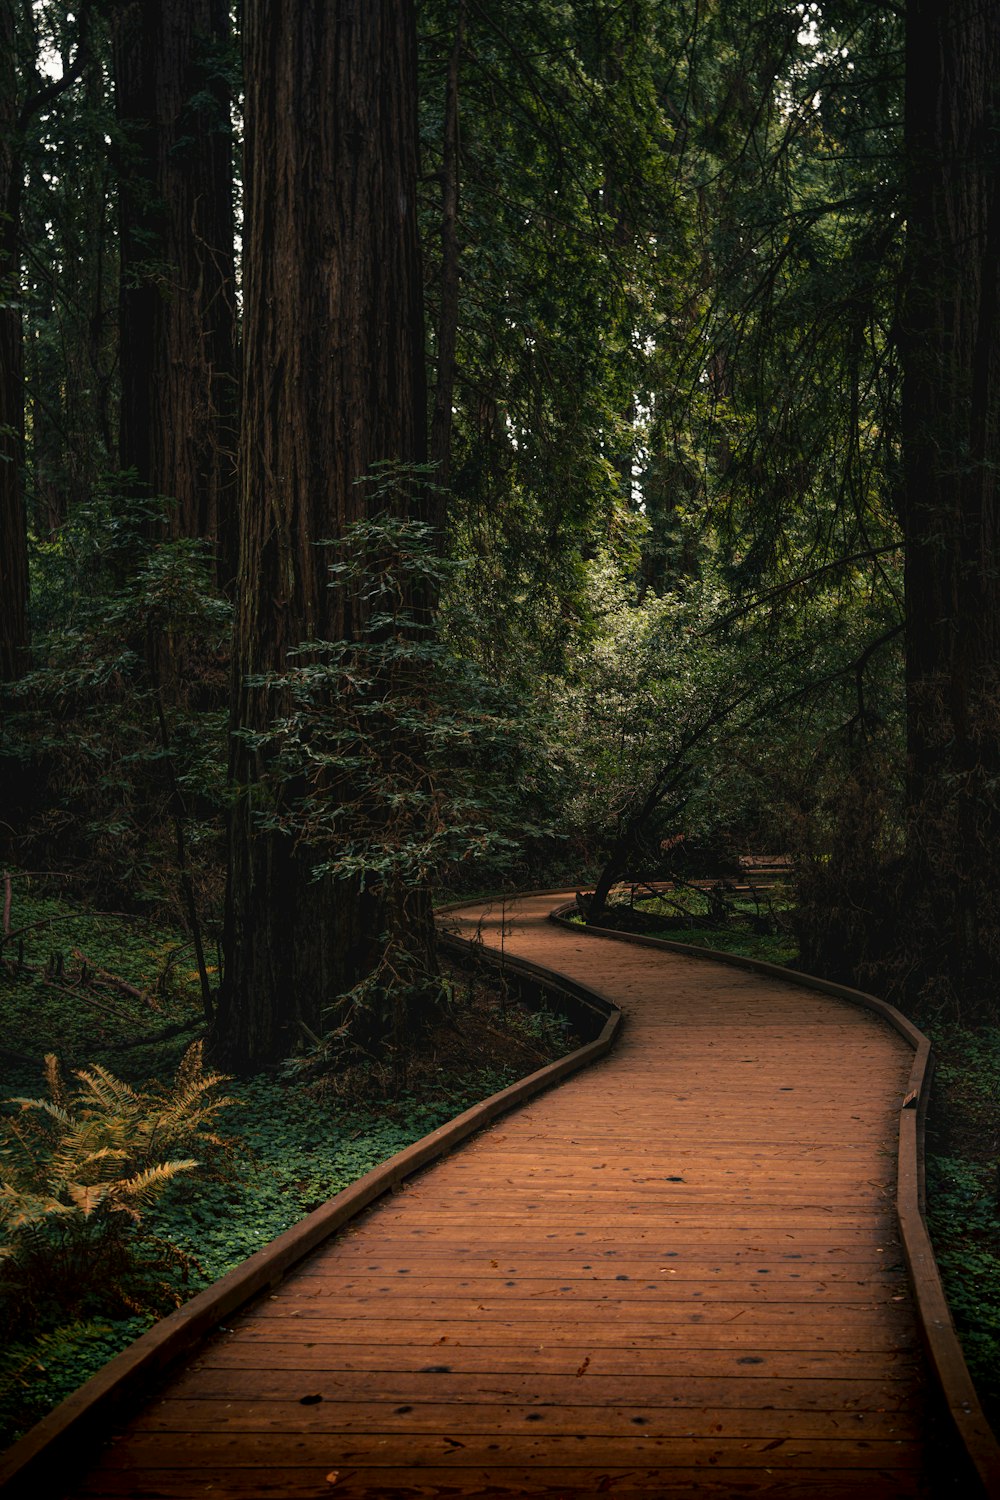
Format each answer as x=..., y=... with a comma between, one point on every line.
x=754, y=926
x=963, y=1193
x=83, y=1166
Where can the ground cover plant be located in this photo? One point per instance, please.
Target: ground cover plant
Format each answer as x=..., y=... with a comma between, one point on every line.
x=271, y=1148
x=963, y=1192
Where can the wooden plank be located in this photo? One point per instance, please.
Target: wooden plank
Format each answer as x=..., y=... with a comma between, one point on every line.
x=889, y=1392
x=140, y=1450
x=375, y=1291
x=406, y=1255
x=859, y=1334
x=502, y=1482
x=566, y=1359
x=645, y=1194
x=623, y=1313
x=717, y=1166
x=375, y=1420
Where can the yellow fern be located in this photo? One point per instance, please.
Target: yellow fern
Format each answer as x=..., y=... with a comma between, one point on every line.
x=78, y=1170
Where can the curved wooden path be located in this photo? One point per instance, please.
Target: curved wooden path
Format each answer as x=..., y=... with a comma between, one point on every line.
x=677, y=1274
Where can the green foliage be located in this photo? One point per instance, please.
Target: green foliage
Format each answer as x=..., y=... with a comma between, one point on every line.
x=80, y=1169
x=757, y=926
x=683, y=715
x=568, y=222
x=412, y=761
x=394, y=763
x=131, y=625
x=37, y=1373
x=553, y=1032
x=964, y=1218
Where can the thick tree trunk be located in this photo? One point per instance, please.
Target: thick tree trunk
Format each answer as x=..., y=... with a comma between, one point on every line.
x=178, y=342
x=14, y=639
x=447, y=331
x=951, y=505
x=333, y=382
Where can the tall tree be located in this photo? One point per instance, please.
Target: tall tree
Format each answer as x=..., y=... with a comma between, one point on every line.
x=334, y=382
x=447, y=323
x=25, y=94
x=178, y=350
x=13, y=537
x=71, y=287
x=951, y=490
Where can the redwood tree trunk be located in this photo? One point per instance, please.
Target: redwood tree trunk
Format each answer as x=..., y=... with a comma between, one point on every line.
x=951, y=507
x=447, y=329
x=333, y=382
x=14, y=638
x=178, y=347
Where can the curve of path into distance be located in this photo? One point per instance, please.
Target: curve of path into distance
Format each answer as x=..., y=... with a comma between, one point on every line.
x=675, y=1274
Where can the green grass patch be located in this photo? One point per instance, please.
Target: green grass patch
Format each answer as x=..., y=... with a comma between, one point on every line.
x=90, y=986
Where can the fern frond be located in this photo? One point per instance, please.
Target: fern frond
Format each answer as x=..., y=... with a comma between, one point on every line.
x=55, y=1081
x=80, y=1151
x=131, y=1194
x=102, y=1087
x=77, y=1172
x=21, y=1211
x=88, y=1199
x=45, y=1106
x=104, y=1153
x=191, y=1065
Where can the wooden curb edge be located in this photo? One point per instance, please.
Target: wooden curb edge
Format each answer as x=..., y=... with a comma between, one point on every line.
x=83, y=1413
x=937, y=1326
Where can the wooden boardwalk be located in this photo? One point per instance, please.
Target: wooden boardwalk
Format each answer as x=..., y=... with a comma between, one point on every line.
x=677, y=1274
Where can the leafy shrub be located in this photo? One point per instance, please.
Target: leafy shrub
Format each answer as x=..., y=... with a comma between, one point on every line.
x=79, y=1169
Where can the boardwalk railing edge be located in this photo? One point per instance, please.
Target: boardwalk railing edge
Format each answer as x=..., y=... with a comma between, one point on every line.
x=83, y=1415
x=934, y=1314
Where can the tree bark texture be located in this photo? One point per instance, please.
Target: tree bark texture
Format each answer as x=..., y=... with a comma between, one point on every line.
x=178, y=331
x=14, y=638
x=447, y=331
x=334, y=381
x=951, y=502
